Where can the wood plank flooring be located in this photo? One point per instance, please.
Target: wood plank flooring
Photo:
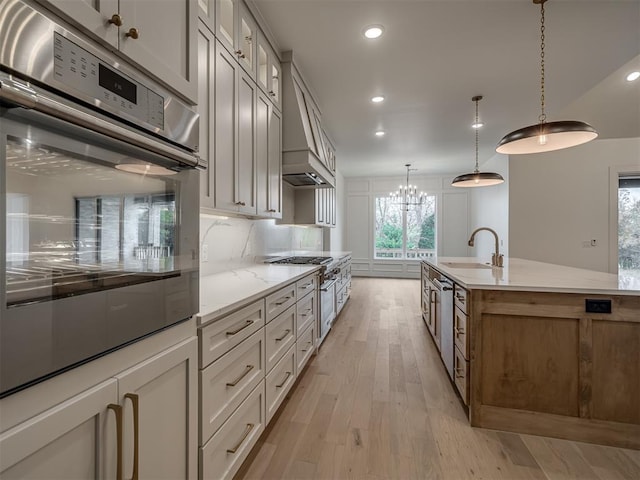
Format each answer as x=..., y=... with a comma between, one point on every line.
x=375, y=403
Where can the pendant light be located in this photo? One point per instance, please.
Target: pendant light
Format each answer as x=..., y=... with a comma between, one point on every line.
x=545, y=136
x=477, y=178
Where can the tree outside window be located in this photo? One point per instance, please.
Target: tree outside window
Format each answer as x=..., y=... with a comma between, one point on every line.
x=405, y=232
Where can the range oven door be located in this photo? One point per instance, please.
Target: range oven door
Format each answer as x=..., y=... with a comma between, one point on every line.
x=99, y=245
x=327, y=307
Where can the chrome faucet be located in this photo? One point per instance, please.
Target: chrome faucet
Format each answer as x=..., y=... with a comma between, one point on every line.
x=496, y=258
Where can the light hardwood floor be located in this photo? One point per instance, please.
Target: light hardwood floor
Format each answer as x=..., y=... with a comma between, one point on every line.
x=376, y=403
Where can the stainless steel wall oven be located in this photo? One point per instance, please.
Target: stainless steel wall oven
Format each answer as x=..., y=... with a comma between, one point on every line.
x=99, y=203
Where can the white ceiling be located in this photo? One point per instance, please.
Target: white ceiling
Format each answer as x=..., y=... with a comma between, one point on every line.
x=436, y=54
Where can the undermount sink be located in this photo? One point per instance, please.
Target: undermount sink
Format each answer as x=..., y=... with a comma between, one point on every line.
x=466, y=265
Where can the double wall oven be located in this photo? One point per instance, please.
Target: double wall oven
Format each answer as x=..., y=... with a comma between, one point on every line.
x=99, y=201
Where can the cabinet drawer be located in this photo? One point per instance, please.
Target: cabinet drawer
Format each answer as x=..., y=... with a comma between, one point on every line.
x=306, y=309
x=305, y=347
x=279, y=301
x=219, y=337
x=461, y=296
x=461, y=375
x=279, y=381
x=460, y=335
x=226, y=383
x=306, y=286
x=222, y=456
x=280, y=334
x=341, y=298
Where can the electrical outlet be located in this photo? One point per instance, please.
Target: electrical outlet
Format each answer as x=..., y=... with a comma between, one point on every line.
x=205, y=252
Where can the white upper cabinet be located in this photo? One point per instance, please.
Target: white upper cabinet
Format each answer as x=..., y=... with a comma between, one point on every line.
x=269, y=71
x=268, y=159
x=207, y=13
x=238, y=32
x=158, y=36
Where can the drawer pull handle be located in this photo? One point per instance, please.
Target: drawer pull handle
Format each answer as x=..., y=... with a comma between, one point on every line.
x=246, y=433
x=306, y=349
x=286, y=377
x=284, y=335
x=459, y=373
x=117, y=409
x=284, y=300
x=136, y=433
x=238, y=330
x=307, y=286
x=459, y=331
x=306, y=312
x=242, y=375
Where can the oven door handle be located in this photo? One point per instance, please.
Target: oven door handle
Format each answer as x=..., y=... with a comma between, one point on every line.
x=326, y=286
x=25, y=96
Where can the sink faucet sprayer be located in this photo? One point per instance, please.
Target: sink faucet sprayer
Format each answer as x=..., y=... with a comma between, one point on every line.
x=496, y=257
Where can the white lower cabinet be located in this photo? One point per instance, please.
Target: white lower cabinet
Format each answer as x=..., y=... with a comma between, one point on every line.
x=223, y=454
x=280, y=380
x=160, y=416
x=249, y=360
x=227, y=382
x=280, y=335
x=140, y=423
x=70, y=440
x=305, y=346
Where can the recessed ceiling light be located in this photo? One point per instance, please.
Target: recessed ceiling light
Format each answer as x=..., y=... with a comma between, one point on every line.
x=373, y=31
x=377, y=99
x=477, y=125
x=380, y=133
x=633, y=76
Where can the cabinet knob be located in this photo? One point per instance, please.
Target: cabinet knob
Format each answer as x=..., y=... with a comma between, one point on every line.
x=132, y=33
x=240, y=54
x=115, y=20
x=271, y=210
x=242, y=204
x=272, y=93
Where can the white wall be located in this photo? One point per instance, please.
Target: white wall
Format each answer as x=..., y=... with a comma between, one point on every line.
x=452, y=222
x=559, y=200
x=489, y=207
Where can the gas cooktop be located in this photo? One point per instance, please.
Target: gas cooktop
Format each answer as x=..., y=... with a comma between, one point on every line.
x=305, y=260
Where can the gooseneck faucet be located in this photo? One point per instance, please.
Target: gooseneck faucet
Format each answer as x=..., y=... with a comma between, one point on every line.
x=496, y=259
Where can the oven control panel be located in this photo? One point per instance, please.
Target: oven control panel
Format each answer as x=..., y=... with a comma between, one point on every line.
x=76, y=68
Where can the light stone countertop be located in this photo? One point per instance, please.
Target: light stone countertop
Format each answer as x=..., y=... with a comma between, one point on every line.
x=527, y=275
x=225, y=292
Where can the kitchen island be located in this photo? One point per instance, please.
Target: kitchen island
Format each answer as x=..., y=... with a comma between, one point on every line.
x=540, y=348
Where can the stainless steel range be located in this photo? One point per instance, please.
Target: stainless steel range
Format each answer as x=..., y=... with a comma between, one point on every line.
x=99, y=200
x=328, y=276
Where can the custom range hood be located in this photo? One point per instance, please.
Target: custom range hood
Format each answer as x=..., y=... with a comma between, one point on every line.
x=308, y=156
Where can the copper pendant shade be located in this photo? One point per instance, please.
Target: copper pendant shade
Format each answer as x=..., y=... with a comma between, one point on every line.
x=545, y=136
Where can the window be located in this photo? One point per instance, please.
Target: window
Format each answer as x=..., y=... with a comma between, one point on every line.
x=629, y=227
x=405, y=232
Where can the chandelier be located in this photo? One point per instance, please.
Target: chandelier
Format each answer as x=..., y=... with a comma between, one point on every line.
x=407, y=195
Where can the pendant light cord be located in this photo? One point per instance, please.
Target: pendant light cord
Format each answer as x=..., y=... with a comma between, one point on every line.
x=477, y=170
x=542, y=116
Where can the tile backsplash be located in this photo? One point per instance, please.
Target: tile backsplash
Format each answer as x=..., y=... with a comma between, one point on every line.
x=230, y=242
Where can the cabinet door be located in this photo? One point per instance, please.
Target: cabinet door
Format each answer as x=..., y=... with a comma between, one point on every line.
x=164, y=40
x=225, y=129
x=163, y=391
x=92, y=15
x=275, y=164
x=247, y=40
x=207, y=13
x=275, y=80
x=206, y=76
x=75, y=439
x=262, y=155
x=245, y=173
x=226, y=15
